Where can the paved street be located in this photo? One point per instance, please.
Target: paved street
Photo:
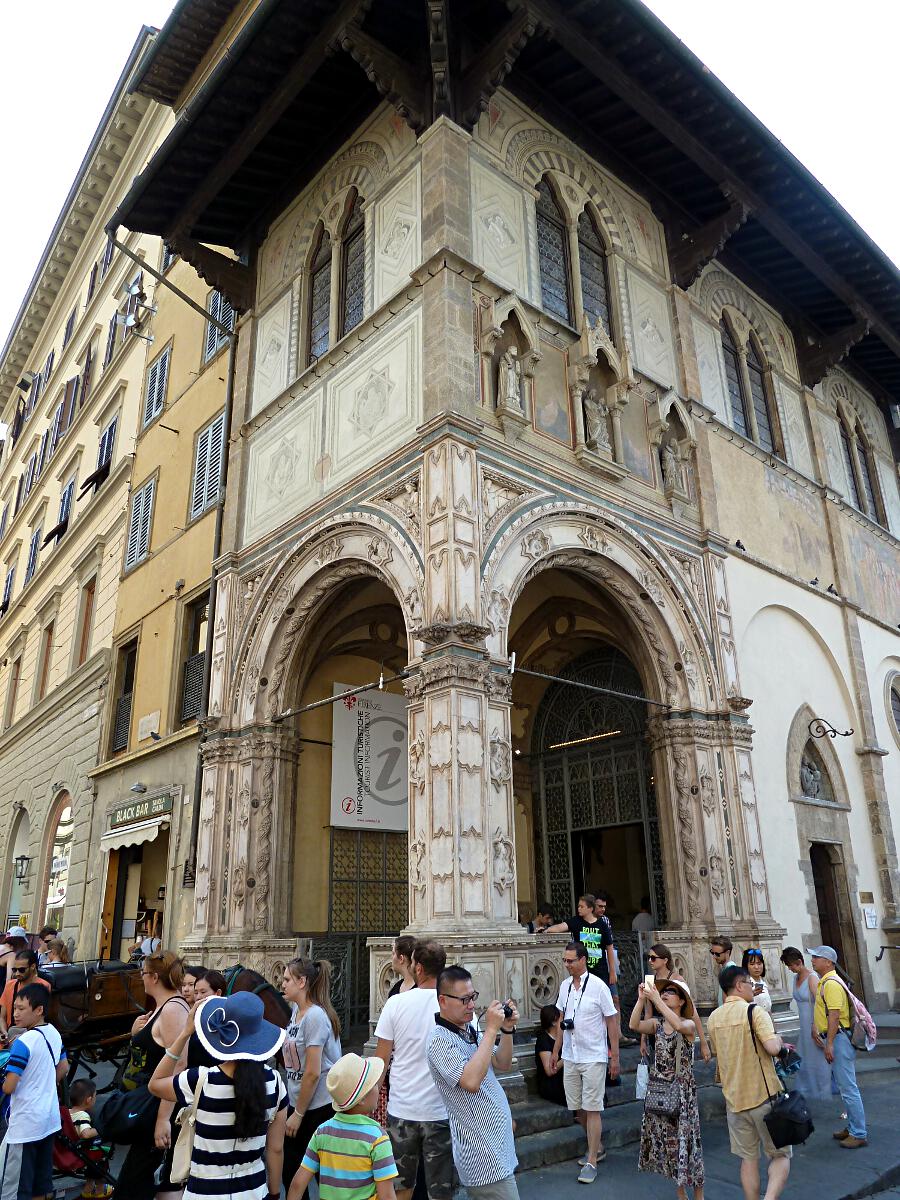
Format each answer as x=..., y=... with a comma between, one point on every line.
x=821, y=1168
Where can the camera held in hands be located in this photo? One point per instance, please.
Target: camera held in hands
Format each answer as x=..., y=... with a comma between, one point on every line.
x=568, y=1024
x=507, y=1012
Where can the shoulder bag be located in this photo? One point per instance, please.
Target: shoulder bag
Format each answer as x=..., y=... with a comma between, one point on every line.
x=663, y=1097
x=184, y=1145
x=788, y=1120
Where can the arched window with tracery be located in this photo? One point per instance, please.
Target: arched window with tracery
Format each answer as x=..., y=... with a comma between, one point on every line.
x=758, y=397
x=733, y=376
x=850, y=467
x=353, y=267
x=592, y=267
x=319, y=295
x=866, y=473
x=553, y=255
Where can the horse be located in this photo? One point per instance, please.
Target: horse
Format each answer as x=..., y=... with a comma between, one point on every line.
x=242, y=979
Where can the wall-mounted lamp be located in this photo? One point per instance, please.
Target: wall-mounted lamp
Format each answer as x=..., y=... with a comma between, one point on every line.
x=138, y=788
x=22, y=864
x=819, y=729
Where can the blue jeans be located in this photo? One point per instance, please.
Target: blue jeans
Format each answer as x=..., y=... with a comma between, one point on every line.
x=844, y=1069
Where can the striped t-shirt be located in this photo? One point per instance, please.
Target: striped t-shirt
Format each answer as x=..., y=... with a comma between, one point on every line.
x=351, y=1153
x=221, y=1164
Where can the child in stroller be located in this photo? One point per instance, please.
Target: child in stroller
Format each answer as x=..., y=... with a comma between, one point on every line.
x=79, y=1149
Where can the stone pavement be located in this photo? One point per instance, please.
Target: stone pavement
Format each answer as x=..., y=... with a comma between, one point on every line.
x=821, y=1167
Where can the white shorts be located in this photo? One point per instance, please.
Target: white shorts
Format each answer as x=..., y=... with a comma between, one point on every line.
x=584, y=1084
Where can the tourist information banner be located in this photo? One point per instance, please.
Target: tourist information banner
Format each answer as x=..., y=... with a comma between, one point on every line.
x=369, y=776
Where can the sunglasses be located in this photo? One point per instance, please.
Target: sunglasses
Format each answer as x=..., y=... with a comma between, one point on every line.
x=654, y=958
x=19, y=970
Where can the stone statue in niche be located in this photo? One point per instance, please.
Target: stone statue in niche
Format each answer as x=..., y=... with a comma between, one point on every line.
x=504, y=862
x=670, y=466
x=596, y=426
x=509, y=382
x=810, y=779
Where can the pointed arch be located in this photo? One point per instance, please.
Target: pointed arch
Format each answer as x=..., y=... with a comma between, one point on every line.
x=553, y=253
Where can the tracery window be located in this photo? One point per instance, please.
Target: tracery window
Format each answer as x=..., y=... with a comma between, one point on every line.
x=867, y=473
x=749, y=390
x=854, y=496
x=733, y=377
x=592, y=266
x=860, y=469
x=320, y=296
x=553, y=255
x=353, y=268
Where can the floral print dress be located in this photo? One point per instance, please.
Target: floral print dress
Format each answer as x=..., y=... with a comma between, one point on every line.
x=672, y=1148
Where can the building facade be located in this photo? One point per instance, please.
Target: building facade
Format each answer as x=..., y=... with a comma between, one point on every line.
x=565, y=437
x=71, y=377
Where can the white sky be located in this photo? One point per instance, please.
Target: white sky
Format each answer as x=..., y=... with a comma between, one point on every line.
x=819, y=73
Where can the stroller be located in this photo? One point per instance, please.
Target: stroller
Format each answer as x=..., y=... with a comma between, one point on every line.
x=78, y=1158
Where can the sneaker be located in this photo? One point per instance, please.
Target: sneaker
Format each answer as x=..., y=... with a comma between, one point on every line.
x=588, y=1174
x=841, y=1134
x=854, y=1143
x=601, y=1154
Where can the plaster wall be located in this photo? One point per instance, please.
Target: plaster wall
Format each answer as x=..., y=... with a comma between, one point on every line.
x=792, y=653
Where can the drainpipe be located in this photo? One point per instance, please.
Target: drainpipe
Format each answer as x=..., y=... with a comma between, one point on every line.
x=190, y=865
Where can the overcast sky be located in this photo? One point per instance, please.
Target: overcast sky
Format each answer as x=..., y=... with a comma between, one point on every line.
x=820, y=73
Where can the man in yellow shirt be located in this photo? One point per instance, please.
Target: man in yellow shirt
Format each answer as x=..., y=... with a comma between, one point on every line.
x=831, y=1033
x=745, y=1070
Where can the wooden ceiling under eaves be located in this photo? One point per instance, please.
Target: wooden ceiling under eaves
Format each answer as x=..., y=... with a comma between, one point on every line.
x=300, y=77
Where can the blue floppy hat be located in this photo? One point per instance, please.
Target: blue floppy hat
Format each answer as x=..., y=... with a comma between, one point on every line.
x=233, y=1027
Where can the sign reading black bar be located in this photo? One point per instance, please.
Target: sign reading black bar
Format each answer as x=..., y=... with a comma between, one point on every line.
x=140, y=810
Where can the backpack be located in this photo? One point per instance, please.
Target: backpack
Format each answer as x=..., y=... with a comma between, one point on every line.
x=863, y=1032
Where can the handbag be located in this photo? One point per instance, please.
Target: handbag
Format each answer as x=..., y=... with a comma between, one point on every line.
x=788, y=1120
x=184, y=1143
x=663, y=1097
x=128, y=1117
x=641, y=1079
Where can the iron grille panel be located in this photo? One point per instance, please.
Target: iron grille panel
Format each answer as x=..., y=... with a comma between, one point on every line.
x=192, y=687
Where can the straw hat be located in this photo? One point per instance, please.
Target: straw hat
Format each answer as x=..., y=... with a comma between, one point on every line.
x=351, y=1078
x=676, y=985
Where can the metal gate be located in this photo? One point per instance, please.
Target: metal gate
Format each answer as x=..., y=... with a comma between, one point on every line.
x=592, y=771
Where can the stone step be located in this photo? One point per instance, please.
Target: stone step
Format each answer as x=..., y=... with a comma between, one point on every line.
x=536, y=1115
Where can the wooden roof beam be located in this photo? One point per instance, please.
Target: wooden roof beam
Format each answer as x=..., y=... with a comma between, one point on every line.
x=491, y=66
x=690, y=256
x=576, y=41
x=402, y=86
x=267, y=114
x=233, y=279
x=816, y=360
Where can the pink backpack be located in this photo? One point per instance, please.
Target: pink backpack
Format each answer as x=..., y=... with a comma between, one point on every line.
x=863, y=1032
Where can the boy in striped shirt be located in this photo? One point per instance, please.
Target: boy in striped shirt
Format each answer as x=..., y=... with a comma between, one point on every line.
x=350, y=1152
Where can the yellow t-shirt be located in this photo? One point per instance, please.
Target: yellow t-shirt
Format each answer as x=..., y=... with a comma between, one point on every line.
x=831, y=994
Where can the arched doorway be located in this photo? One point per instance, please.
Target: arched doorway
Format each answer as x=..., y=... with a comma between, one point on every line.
x=50, y=901
x=350, y=859
x=596, y=822
x=17, y=865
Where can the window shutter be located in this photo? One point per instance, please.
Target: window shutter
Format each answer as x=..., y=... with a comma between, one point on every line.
x=30, y=473
x=214, y=469
x=139, y=529
x=214, y=308
x=69, y=401
x=56, y=427
x=110, y=342
x=86, y=375
x=48, y=368
x=42, y=453
x=207, y=468
x=18, y=504
x=106, y=443
x=4, y=519
x=65, y=501
x=70, y=327
x=92, y=282
x=157, y=378
x=8, y=587
x=32, y=555
x=108, y=253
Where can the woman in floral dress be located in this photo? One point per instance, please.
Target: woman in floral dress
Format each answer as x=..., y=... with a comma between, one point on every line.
x=672, y=1147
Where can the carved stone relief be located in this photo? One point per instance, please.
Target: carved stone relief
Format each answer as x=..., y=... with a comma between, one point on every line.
x=498, y=235
x=651, y=329
x=397, y=235
x=711, y=368
x=271, y=365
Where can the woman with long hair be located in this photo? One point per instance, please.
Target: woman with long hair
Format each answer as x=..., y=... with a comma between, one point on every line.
x=755, y=966
x=151, y=1033
x=209, y=982
x=56, y=953
x=672, y=1147
x=239, y=1132
x=402, y=962
x=814, y=1075
x=311, y=1048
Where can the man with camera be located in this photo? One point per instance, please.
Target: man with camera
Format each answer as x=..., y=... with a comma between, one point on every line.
x=462, y=1065
x=586, y=1043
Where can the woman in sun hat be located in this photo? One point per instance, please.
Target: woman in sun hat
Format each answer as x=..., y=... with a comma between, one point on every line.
x=350, y=1152
x=239, y=1133
x=672, y=1148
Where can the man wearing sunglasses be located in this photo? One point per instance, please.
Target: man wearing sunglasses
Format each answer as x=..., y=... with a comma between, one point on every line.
x=720, y=949
x=462, y=1065
x=23, y=972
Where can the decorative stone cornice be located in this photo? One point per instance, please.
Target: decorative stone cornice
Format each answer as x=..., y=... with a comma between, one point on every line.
x=691, y=729
x=447, y=670
x=441, y=633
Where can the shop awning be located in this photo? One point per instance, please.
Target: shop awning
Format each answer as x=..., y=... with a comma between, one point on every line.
x=133, y=835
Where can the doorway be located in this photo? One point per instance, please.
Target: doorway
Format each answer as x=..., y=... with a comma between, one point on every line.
x=614, y=860
x=833, y=905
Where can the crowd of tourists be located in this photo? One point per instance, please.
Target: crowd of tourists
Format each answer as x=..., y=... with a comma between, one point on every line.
x=220, y=1101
